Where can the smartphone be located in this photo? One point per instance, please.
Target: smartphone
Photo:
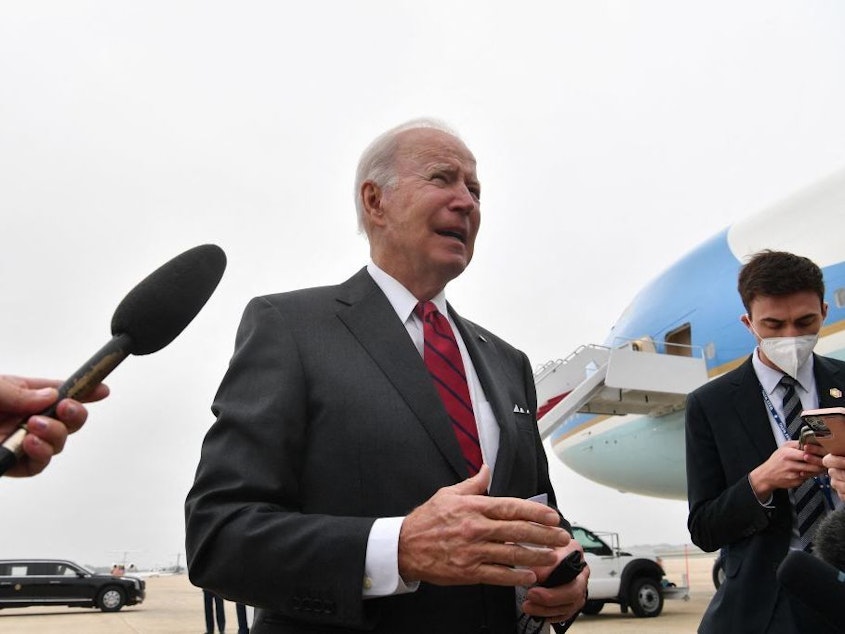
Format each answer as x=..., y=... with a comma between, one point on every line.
x=568, y=568
x=828, y=427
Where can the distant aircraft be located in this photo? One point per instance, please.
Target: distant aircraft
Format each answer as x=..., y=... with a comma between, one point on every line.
x=614, y=412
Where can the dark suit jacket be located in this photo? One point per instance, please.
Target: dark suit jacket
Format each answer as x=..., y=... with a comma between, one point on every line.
x=326, y=420
x=728, y=434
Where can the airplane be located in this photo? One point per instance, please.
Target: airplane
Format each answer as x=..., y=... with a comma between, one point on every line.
x=614, y=412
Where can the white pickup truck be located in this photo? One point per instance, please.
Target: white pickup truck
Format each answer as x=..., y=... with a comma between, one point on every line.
x=633, y=580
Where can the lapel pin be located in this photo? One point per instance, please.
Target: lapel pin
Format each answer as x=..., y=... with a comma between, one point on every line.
x=835, y=392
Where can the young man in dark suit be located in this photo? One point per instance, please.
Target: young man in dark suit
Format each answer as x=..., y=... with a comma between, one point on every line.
x=745, y=470
x=339, y=489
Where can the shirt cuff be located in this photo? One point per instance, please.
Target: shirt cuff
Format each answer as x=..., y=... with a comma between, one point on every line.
x=768, y=503
x=381, y=566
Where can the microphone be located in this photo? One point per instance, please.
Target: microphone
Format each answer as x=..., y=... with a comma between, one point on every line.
x=150, y=316
x=816, y=583
x=829, y=540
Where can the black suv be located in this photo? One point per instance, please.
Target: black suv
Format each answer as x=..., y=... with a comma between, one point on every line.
x=25, y=582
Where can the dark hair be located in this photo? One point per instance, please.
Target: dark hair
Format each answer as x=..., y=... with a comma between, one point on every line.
x=775, y=273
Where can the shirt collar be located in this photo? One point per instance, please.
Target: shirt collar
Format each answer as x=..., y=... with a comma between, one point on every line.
x=402, y=300
x=770, y=378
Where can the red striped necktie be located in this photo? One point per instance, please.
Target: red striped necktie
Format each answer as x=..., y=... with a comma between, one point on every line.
x=443, y=360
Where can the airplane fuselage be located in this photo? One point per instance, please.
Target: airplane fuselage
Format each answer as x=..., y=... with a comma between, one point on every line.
x=693, y=307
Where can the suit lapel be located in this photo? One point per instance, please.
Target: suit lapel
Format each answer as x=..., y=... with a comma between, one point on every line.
x=370, y=318
x=752, y=411
x=829, y=383
x=488, y=367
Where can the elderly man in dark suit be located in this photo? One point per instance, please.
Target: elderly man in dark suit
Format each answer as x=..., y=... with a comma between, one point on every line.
x=752, y=491
x=374, y=452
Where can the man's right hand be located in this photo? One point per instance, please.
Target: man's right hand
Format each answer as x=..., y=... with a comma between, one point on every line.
x=461, y=536
x=786, y=468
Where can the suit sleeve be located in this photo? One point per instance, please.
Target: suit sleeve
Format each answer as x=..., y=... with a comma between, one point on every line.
x=247, y=536
x=723, y=507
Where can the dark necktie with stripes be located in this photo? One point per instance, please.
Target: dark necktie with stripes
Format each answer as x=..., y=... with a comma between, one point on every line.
x=808, y=498
x=443, y=360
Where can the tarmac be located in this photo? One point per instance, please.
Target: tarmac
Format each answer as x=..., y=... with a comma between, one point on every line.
x=174, y=606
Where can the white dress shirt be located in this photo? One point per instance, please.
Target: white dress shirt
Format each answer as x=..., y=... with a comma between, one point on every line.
x=805, y=387
x=381, y=568
x=770, y=380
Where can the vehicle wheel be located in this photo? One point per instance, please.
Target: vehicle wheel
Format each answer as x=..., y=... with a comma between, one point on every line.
x=111, y=599
x=718, y=573
x=645, y=597
x=592, y=607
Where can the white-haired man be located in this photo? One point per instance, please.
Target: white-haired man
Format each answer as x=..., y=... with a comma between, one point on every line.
x=373, y=451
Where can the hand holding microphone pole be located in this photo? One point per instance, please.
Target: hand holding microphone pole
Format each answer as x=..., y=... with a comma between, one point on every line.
x=149, y=317
x=23, y=399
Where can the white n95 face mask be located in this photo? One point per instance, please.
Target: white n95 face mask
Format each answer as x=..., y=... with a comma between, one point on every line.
x=789, y=353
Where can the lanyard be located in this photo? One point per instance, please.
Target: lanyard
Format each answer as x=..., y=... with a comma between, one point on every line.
x=823, y=482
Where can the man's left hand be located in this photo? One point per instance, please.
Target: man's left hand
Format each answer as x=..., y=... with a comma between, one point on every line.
x=560, y=603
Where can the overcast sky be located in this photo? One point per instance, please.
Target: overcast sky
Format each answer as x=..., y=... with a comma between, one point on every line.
x=611, y=138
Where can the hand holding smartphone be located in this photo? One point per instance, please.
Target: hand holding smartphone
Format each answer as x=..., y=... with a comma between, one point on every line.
x=566, y=571
x=825, y=427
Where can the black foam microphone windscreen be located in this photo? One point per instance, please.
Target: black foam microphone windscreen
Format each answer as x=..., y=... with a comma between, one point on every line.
x=815, y=583
x=164, y=303
x=829, y=540
x=150, y=316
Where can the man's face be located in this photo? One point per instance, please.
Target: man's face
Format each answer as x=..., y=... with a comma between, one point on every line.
x=423, y=229
x=786, y=315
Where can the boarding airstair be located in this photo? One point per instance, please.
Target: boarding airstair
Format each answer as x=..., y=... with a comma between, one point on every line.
x=632, y=378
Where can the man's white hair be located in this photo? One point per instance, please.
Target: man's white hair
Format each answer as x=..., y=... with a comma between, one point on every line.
x=377, y=162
